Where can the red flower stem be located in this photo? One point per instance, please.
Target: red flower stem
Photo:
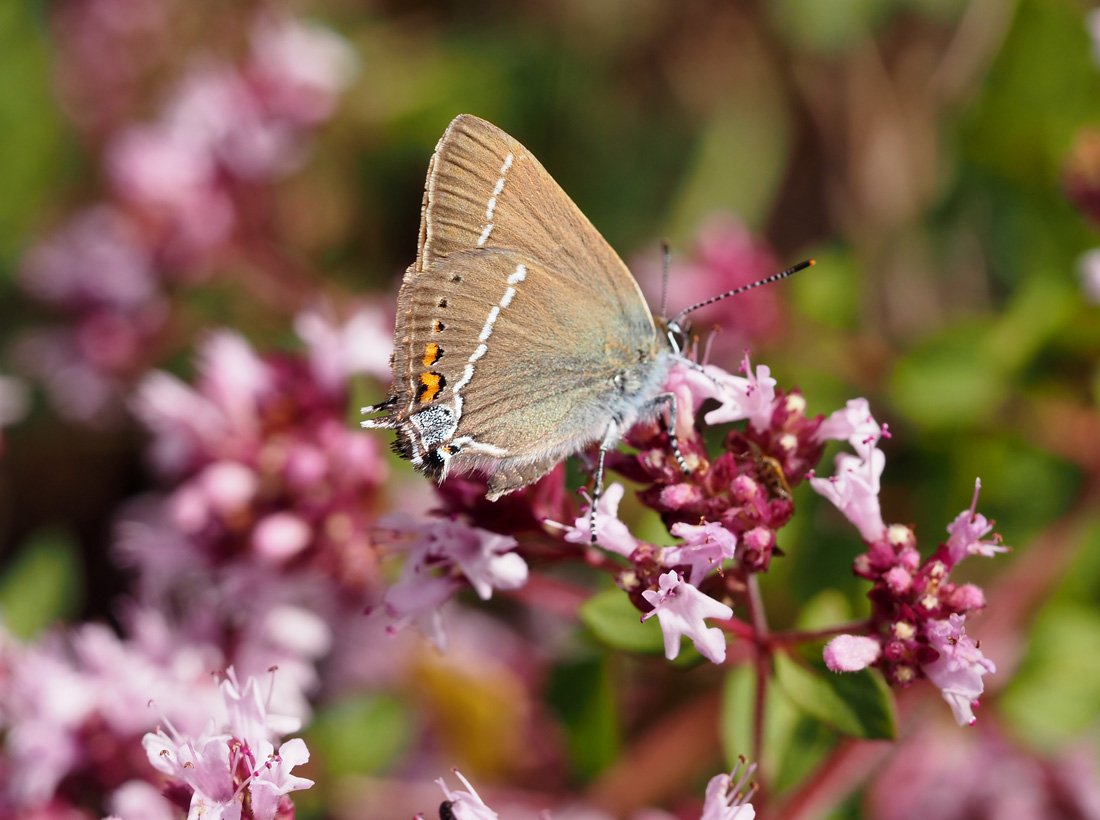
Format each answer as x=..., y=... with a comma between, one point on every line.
x=762, y=661
x=797, y=636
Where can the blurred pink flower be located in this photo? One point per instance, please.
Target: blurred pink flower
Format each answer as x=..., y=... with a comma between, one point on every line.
x=940, y=772
x=681, y=610
x=174, y=180
x=104, y=51
x=140, y=800
x=725, y=255
x=73, y=702
x=440, y=557
x=233, y=762
x=14, y=404
x=299, y=69
x=361, y=345
x=98, y=259
x=1088, y=269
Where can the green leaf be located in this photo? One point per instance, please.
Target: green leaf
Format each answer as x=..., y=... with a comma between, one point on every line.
x=829, y=293
x=1058, y=682
x=857, y=704
x=615, y=622
x=583, y=695
x=41, y=585
x=362, y=735
x=33, y=159
x=946, y=384
x=826, y=609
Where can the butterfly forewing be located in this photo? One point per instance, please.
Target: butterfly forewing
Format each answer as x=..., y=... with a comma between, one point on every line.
x=518, y=392
x=484, y=189
x=507, y=268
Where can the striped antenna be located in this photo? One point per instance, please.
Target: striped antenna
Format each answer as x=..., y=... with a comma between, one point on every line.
x=767, y=280
x=666, y=257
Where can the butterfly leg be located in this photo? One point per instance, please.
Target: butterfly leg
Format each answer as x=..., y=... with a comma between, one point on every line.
x=386, y=423
x=609, y=438
x=669, y=399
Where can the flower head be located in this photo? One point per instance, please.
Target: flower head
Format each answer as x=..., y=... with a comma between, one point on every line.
x=681, y=610
x=233, y=762
x=959, y=668
x=728, y=795
x=465, y=804
x=967, y=531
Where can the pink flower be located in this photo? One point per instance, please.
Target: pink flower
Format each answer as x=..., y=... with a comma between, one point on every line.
x=705, y=547
x=232, y=756
x=725, y=254
x=337, y=351
x=681, y=609
x=439, y=553
x=938, y=771
x=281, y=536
x=749, y=397
x=691, y=386
x=98, y=258
x=173, y=177
x=728, y=795
x=968, y=529
x=959, y=669
x=484, y=558
x=72, y=703
x=611, y=533
x=850, y=653
x=854, y=491
x=299, y=68
x=854, y=424
x=466, y=804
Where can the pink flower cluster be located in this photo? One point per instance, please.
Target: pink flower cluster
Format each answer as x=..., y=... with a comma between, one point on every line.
x=917, y=612
x=726, y=511
x=231, y=770
x=263, y=465
x=183, y=189
x=73, y=707
x=746, y=488
x=440, y=557
x=258, y=555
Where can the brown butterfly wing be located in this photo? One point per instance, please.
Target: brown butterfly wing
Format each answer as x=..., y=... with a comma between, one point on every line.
x=484, y=189
x=532, y=362
x=554, y=338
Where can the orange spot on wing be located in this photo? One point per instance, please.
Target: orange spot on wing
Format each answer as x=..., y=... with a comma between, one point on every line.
x=432, y=352
x=430, y=385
